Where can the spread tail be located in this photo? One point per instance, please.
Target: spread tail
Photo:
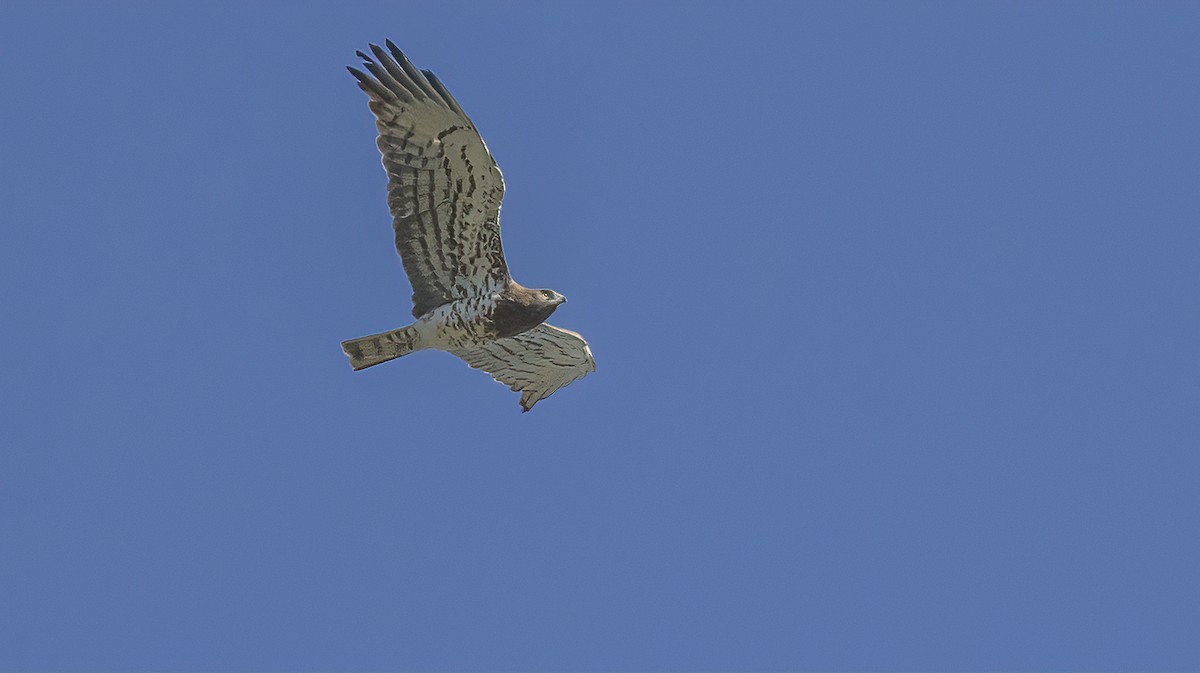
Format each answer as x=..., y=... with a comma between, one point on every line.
x=371, y=350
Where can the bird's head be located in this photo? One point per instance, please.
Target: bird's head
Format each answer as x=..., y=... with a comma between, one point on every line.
x=536, y=305
x=549, y=297
x=542, y=303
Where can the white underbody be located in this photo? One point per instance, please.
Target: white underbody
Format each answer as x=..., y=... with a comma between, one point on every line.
x=461, y=323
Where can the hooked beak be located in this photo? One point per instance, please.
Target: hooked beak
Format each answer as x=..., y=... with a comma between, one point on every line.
x=562, y=299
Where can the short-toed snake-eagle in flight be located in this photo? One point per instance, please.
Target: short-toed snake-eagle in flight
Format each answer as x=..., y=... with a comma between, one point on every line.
x=444, y=191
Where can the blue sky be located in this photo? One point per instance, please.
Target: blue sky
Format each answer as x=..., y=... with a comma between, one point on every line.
x=894, y=307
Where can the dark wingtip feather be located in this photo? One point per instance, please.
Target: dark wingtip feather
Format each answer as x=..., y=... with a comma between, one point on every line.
x=370, y=85
x=392, y=74
x=443, y=92
x=363, y=56
x=411, y=70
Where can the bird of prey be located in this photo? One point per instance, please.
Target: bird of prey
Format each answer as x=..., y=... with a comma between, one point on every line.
x=444, y=192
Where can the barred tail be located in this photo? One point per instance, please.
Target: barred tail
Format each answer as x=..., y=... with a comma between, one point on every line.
x=371, y=350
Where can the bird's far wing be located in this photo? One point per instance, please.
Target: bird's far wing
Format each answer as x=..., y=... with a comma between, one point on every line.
x=444, y=188
x=534, y=363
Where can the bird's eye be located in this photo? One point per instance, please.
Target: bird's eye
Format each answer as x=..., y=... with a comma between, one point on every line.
x=547, y=294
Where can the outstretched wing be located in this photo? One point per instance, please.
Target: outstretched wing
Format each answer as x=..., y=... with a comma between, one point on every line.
x=444, y=188
x=534, y=363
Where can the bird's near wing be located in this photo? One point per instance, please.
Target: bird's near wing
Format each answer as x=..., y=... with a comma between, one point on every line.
x=444, y=188
x=534, y=363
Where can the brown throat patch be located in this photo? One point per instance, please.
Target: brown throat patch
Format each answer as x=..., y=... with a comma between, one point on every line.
x=520, y=309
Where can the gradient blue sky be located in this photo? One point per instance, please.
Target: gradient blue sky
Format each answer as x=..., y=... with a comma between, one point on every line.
x=895, y=309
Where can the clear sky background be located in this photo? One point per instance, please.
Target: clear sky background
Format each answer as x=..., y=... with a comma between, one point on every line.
x=894, y=307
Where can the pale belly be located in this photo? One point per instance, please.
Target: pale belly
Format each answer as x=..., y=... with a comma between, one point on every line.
x=459, y=324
